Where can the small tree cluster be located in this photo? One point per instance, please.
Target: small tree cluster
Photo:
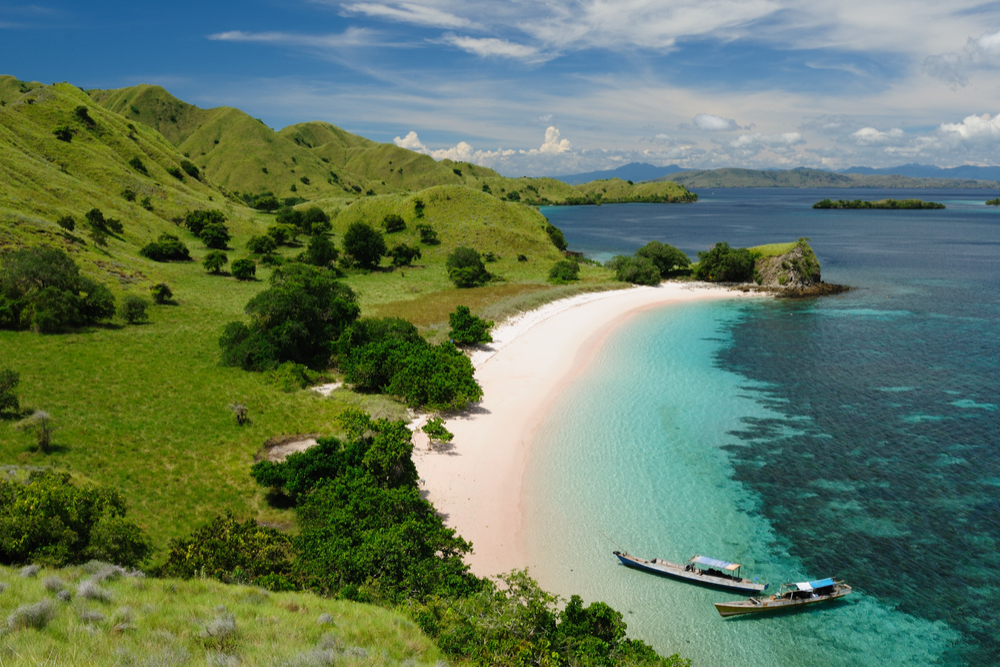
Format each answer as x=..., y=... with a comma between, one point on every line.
x=428, y=236
x=466, y=268
x=137, y=164
x=670, y=261
x=364, y=244
x=165, y=248
x=244, y=269
x=262, y=245
x=635, y=270
x=725, y=264
x=210, y=226
x=393, y=223
x=467, y=329
x=564, y=271
x=403, y=255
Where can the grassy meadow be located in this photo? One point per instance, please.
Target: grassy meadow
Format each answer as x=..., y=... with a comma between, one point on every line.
x=93, y=615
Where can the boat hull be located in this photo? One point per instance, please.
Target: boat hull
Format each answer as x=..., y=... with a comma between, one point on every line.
x=753, y=606
x=665, y=568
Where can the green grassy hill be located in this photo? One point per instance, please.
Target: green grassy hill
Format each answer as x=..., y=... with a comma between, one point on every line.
x=615, y=190
x=110, y=619
x=811, y=178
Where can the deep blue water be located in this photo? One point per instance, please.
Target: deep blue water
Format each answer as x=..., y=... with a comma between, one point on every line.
x=873, y=452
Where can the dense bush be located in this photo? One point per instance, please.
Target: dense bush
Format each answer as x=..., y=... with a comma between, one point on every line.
x=427, y=235
x=403, y=255
x=725, y=264
x=244, y=269
x=63, y=133
x=466, y=269
x=564, y=271
x=176, y=173
x=42, y=289
x=467, y=329
x=191, y=170
x=320, y=251
x=291, y=376
x=67, y=222
x=283, y=233
x=215, y=235
x=555, y=235
x=293, y=320
x=133, y=309
x=48, y=520
x=161, y=293
x=9, y=379
x=137, y=164
x=315, y=221
x=214, y=261
x=165, y=248
x=96, y=220
x=233, y=552
x=671, y=261
x=261, y=245
x=636, y=270
x=289, y=216
x=394, y=223
x=196, y=221
x=364, y=244
x=390, y=356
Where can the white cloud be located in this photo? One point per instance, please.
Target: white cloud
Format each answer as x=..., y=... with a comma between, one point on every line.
x=553, y=144
x=463, y=152
x=767, y=140
x=408, y=12
x=486, y=47
x=869, y=136
x=711, y=123
x=975, y=128
x=411, y=142
x=350, y=37
x=985, y=50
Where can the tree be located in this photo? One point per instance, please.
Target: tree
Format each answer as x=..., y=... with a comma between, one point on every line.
x=196, y=221
x=283, y=234
x=214, y=261
x=49, y=520
x=191, y=170
x=96, y=220
x=133, y=309
x=669, y=260
x=42, y=289
x=466, y=269
x=136, y=163
x=636, y=270
x=403, y=255
x=467, y=329
x=63, y=133
x=215, y=235
x=39, y=423
x=393, y=223
x=295, y=319
x=166, y=247
x=315, y=221
x=427, y=235
x=289, y=216
x=564, y=271
x=262, y=245
x=9, y=379
x=320, y=251
x=67, y=222
x=725, y=264
x=364, y=244
x=244, y=269
x=435, y=430
x=556, y=236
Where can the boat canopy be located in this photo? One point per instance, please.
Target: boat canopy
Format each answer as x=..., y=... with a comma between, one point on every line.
x=810, y=585
x=711, y=562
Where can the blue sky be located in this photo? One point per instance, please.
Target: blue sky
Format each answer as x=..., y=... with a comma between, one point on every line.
x=560, y=86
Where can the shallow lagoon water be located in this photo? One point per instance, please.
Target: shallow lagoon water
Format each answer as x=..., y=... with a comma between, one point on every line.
x=851, y=436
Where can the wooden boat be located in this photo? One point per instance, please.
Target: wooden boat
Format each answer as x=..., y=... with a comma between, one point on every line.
x=699, y=570
x=789, y=596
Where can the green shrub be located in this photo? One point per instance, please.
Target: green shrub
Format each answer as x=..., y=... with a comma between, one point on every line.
x=147, y=203
x=320, y=251
x=133, y=309
x=467, y=329
x=261, y=245
x=435, y=430
x=63, y=133
x=42, y=289
x=556, y=236
x=564, y=271
x=636, y=270
x=418, y=208
x=305, y=180
x=166, y=247
x=393, y=223
x=403, y=255
x=466, y=269
x=428, y=236
x=197, y=220
x=136, y=163
x=725, y=264
x=315, y=221
x=161, y=293
x=9, y=379
x=283, y=234
x=49, y=520
x=176, y=173
x=83, y=113
x=215, y=235
x=669, y=260
x=67, y=222
x=291, y=376
x=364, y=244
x=293, y=320
x=97, y=221
x=214, y=261
x=128, y=194
x=244, y=269
x=289, y=216
x=191, y=170
x=233, y=552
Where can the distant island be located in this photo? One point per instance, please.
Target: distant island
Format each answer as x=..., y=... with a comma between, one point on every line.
x=814, y=178
x=891, y=204
x=993, y=202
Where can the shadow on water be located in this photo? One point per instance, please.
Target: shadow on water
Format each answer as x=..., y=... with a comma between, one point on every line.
x=813, y=609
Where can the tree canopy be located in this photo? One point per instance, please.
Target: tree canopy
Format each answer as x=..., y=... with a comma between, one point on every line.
x=467, y=329
x=725, y=264
x=669, y=260
x=364, y=244
x=466, y=268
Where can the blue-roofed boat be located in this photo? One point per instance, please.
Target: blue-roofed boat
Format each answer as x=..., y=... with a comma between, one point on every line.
x=698, y=570
x=789, y=596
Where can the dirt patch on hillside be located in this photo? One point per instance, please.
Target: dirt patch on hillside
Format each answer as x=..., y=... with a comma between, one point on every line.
x=280, y=446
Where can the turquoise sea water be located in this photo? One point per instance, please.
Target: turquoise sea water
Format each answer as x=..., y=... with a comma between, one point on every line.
x=853, y=437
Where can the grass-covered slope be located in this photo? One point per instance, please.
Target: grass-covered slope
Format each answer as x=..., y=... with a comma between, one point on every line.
x=811, y=178
x=616, y=190
x=104, y=618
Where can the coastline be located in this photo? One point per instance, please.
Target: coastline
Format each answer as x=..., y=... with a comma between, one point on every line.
x=476, y=482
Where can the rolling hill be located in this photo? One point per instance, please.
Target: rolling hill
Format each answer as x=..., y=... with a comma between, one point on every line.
x=813, y=178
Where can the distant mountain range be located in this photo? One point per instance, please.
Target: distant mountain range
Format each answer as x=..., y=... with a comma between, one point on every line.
x=904, y=176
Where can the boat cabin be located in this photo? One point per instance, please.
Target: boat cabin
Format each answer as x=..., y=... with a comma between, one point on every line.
x=806, y=589
x=713, y=567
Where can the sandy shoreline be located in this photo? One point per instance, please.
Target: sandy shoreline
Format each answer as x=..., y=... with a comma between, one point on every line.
x=477, y=482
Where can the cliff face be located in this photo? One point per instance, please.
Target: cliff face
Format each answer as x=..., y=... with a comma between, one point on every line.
x=795, y=269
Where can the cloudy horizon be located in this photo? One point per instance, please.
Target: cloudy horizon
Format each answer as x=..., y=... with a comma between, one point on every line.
x=563, y=86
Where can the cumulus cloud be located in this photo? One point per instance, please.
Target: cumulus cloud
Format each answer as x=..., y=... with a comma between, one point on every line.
x=407, y=12
x=410, y=142
x=985, y=50
x=767, y=140
x=974, y=128
x=869, y=136
x=553, y=144
x=981, y=53
x=712, y=123
x=486, y=47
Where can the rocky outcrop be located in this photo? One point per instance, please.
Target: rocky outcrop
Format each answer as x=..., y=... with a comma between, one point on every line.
x=796, y=269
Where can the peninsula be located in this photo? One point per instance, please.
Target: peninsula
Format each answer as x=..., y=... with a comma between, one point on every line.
x=888, y=204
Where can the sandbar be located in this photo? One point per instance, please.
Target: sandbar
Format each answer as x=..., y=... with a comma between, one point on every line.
x=476, y=481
